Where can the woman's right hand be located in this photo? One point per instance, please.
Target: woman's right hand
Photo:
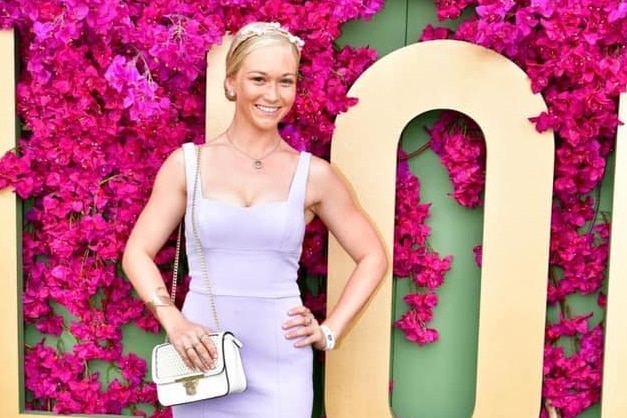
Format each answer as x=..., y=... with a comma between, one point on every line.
x=193, y=343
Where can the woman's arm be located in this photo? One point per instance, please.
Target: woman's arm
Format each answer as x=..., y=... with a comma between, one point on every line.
x=336, y=207
x=161, y=215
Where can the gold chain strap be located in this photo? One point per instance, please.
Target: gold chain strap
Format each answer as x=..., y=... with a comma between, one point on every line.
x=175, y=271
x=201, y=256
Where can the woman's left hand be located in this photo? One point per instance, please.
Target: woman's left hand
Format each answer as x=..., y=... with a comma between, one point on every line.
x=304, y=327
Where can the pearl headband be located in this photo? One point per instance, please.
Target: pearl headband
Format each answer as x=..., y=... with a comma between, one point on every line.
x=265, y=28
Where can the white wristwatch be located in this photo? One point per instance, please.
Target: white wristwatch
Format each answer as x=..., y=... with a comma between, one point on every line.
x=329, y=337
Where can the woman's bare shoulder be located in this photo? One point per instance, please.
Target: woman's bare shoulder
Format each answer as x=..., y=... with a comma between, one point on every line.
x=174, y=162
x=326, y=182
x=172, y=171
x=319, y=167
x=324, y=173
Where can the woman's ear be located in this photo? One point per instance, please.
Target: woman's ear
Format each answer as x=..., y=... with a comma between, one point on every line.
x=229, y=91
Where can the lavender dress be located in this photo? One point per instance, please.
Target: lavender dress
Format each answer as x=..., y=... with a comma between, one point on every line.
x=252, y=256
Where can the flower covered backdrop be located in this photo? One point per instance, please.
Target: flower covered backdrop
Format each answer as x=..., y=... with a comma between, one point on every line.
x=108, y=88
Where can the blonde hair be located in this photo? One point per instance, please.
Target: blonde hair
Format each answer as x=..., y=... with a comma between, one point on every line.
x=254, y=36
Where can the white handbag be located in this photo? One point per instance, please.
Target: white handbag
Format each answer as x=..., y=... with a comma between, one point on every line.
x=177, y=383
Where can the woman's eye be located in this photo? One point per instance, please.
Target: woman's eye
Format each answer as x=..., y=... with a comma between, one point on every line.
x=258, y=80
x=287, y=82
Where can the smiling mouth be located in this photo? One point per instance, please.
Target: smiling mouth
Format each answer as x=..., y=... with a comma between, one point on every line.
x=268, y=109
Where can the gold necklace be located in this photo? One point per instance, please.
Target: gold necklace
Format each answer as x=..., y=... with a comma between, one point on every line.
x=257, y=161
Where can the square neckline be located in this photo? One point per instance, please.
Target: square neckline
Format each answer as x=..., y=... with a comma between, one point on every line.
x=257, y=204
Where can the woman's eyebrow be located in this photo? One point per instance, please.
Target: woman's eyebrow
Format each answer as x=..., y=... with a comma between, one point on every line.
x=265, y=74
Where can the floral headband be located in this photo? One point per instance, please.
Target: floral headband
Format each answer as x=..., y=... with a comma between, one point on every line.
x=265, y=28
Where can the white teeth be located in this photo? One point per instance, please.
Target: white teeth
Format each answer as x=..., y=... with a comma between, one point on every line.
x=267, y=109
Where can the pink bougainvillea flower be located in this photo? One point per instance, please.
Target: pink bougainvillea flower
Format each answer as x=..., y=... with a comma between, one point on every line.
x=103, y=83
x=415, y=330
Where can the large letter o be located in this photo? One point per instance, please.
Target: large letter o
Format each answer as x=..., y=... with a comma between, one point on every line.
x=496, y=94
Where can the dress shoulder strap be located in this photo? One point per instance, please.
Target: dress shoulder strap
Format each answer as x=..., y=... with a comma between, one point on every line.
x=189, y=154
x=299, y=182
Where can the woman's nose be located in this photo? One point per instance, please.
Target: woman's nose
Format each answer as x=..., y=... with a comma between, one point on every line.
x=272, y=93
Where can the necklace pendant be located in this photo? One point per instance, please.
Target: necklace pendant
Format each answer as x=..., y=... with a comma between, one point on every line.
x=257, y=164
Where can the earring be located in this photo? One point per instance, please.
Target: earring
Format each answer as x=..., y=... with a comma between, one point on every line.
x=231, y=94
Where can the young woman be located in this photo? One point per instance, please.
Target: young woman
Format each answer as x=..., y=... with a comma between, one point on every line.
x=255, y=196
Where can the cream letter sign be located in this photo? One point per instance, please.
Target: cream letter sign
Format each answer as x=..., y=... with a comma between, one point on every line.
x=496, y=94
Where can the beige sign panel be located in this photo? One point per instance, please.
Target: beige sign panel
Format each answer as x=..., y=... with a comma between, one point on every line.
x=614, y=401
x=9, y=292
x=219, y=110
x=496, y=94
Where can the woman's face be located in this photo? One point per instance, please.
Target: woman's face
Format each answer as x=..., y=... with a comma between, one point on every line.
x=265, y=85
